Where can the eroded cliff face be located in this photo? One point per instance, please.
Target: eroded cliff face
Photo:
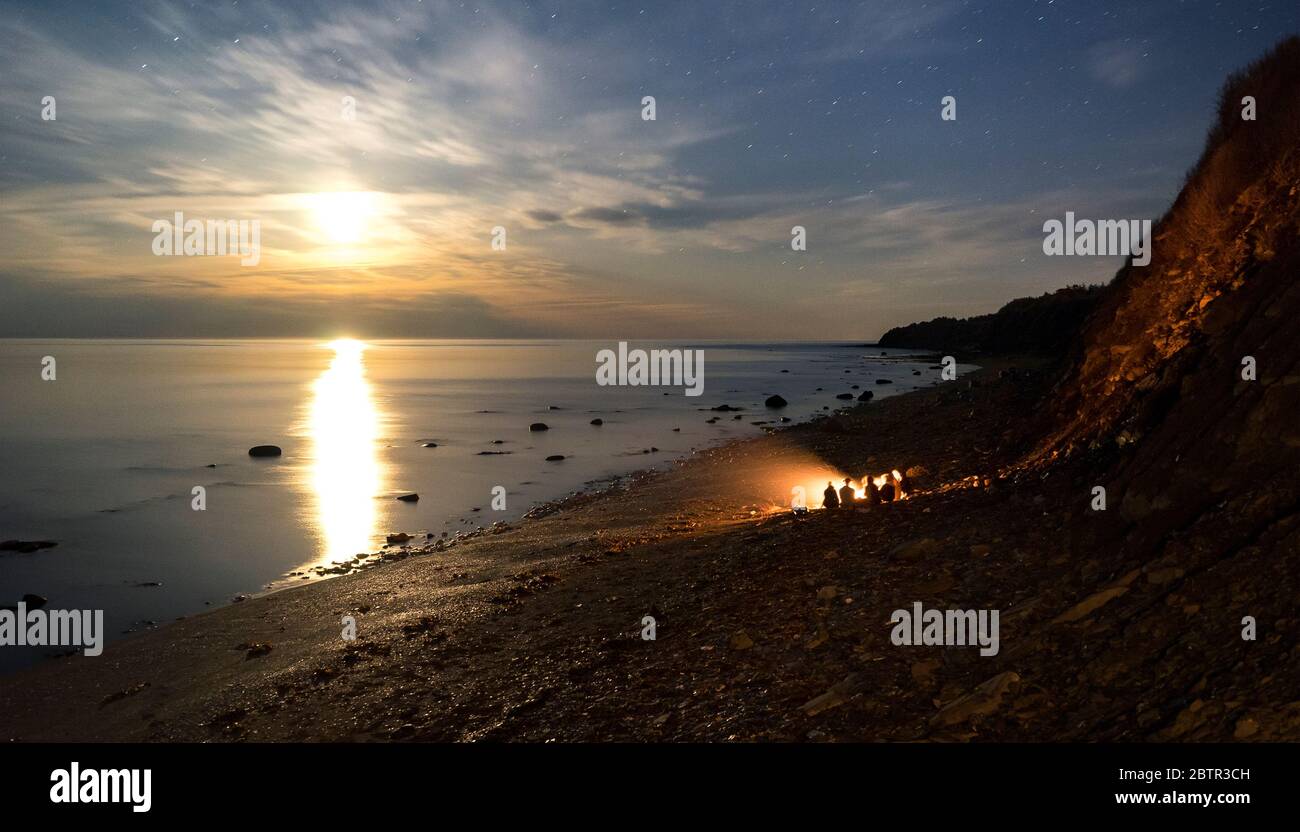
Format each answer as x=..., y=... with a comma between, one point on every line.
x=1157, y=393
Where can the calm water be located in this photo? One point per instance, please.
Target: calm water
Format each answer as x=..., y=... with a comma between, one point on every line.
x=104, y=458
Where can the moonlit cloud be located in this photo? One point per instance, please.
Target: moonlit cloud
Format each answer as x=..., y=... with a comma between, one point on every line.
x=528, y=118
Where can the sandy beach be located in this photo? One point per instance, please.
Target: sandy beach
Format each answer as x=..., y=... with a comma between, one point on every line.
x=768, y=625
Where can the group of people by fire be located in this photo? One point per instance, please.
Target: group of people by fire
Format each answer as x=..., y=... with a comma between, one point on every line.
x=883, y=489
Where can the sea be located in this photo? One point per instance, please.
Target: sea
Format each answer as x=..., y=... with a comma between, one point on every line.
x=132, y=455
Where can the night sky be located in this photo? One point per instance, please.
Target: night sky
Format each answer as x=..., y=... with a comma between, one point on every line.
x=528, y=116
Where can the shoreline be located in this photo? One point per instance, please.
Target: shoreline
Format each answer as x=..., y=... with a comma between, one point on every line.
x=768, y=626
x=108, y=679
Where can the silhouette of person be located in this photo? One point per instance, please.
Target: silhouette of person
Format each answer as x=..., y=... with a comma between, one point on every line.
x=902, y=486
x=829, y=498
x=847, y=497
x=887, y=490
x=872, y=495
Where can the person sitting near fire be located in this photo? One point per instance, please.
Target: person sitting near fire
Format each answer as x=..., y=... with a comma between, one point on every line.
x=847, y=496
x=902, y=485
x=887, y=490
x=829, y=498
x=871, y=494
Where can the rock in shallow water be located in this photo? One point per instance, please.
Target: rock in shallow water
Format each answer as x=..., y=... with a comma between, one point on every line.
x=26, y=546
x=265, y=450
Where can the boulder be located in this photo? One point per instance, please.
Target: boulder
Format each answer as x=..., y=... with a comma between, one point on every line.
x=536, y=426
x=598, y=422
x=775, y=401
x=265, y=450
x=409, y=498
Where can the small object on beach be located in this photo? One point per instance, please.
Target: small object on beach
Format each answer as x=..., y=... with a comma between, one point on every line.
x=883, y=381
x=555, y=458
x=430, y=444
x=775, y=401
x=916, y=372
x=677, y=430
x=536, y=426
x=553, y=407
x=238, y=598
x=210, y=465
x=265, y=450
x=741, y=641
x=409, y=498
x=866, y=396
x=26, y=546
x=726, y=408
x=598, y=422
x=256, y=649
x=398, y=537
x=915, y=549
x=845, y=396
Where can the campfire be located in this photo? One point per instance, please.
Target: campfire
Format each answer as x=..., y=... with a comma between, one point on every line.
x=808, y=496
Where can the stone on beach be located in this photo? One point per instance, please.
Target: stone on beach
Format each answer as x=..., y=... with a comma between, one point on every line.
x=836, y=695
x=915, y=549
x=536, y=426
x=775, y=401
x=264, y=450
x=741, y=641
x=982, y=701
